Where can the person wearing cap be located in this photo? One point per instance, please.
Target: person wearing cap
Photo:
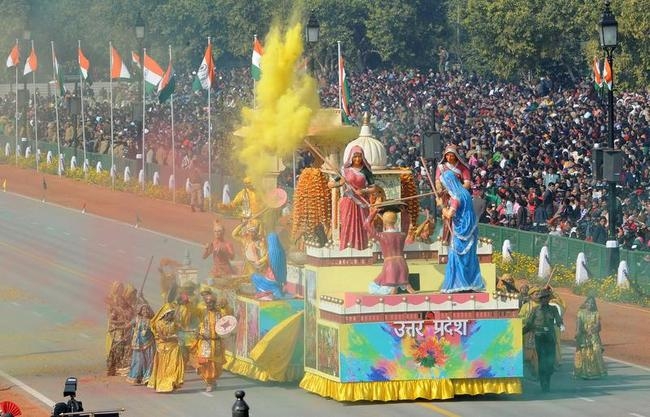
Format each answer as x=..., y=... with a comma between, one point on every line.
x=394, y=273
x=246, y=201
x=209, y=349
x=168, y=370
x=542, y=322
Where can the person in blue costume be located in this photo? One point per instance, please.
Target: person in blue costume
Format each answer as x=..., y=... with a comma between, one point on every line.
x=269, y=283
x=463, y=272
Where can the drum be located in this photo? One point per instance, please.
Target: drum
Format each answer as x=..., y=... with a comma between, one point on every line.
x=225, y=325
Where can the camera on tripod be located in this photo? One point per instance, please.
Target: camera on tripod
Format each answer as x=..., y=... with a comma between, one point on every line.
x=74, y=407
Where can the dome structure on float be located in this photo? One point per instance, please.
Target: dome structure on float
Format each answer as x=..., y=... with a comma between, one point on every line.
x=373, y=149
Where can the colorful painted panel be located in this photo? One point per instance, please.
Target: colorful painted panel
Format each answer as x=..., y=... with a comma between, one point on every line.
x=311, y=315
x=412, y=350
x=328, y=350
x=271, y=313
x=252, y=326
x=241, y=348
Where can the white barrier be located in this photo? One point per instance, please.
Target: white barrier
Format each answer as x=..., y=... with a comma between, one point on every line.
x=156, y=178
x=544, y=270
x=506, y=251
x=28, y=151
x=172, y=182
x=622, y=275
x=48, y=157
x=73, y=162
x=127, y=174
x=225, y=194
x=188, y=186
x=98, y=167
x=141, y=176
x=206, y=190
x=7, y=149
x=582, y=274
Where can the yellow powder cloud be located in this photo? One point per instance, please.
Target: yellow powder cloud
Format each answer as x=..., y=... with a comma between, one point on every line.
x=286, y=100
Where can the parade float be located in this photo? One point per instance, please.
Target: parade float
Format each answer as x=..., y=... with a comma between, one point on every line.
x=342, y=342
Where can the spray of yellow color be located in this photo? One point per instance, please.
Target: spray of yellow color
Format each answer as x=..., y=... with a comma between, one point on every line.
x=287, y=99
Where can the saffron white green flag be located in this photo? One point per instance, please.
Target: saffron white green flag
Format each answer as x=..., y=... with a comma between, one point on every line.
x=205, y=75
x=152, y=73
x=256, y=66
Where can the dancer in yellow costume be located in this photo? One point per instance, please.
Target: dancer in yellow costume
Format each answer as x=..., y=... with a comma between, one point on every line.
x=210, y=353
x=247, y=202
x=168, y=367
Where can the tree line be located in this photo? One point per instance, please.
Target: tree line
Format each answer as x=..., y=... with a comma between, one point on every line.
x=502, y=39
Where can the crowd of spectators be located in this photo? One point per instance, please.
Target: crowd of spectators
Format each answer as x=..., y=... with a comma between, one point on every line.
x=530, y=145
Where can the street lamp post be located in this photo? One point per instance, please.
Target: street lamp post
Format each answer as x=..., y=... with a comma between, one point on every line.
x=138, y=111
x=312, y=33
x=608, y=31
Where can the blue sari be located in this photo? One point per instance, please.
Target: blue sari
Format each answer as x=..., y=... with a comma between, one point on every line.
x=463, y=272
x=272, y=282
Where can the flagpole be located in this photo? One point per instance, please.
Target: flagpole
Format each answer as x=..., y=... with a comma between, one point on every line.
x=210, y=133
x=171, y=103
x=254, y=80
x=144, y=69
x=56, y=109
x=340, y=80
x=16, y=114
x=83, y=117
x=35, y=115
x=110, y=89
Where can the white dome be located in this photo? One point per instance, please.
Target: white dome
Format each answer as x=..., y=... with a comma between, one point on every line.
x=373, y=149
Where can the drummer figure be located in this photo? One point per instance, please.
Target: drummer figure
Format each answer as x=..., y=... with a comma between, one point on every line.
x=210, y=349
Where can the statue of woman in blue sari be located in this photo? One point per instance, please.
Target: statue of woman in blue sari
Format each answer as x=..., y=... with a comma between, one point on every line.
x=463, y=272
x=269, y=281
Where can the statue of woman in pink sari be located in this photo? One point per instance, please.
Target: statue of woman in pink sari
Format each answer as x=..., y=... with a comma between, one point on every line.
x=354, y=204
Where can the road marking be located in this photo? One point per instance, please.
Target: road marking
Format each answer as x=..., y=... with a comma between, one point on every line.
x=142, y=258
x=17, y=304
x=50, y=228
x=121, y=251
x=207, y=394
x=438, y=410
x=66, y=233
x=84, y=335
x=643, y=368
x=36, y=313
x=636, y=415
x=31, y=391
x=83, y=238
x=54, y=264
x=103, y=245
x=589, y=400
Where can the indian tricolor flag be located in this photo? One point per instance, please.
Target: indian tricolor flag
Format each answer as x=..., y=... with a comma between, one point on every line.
x=598, y=76
x=608, y=76
x=135, y=58
x=153, y=73
x=344, y=91
x=14, y=56
x=84, y=64
x=167, y=84
x=256, y=62
x=31, y=64
x=118, y=69
x=205, y=75
x=58, y=74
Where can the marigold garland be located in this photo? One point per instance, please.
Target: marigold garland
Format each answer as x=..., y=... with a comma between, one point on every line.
x=311, y=203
